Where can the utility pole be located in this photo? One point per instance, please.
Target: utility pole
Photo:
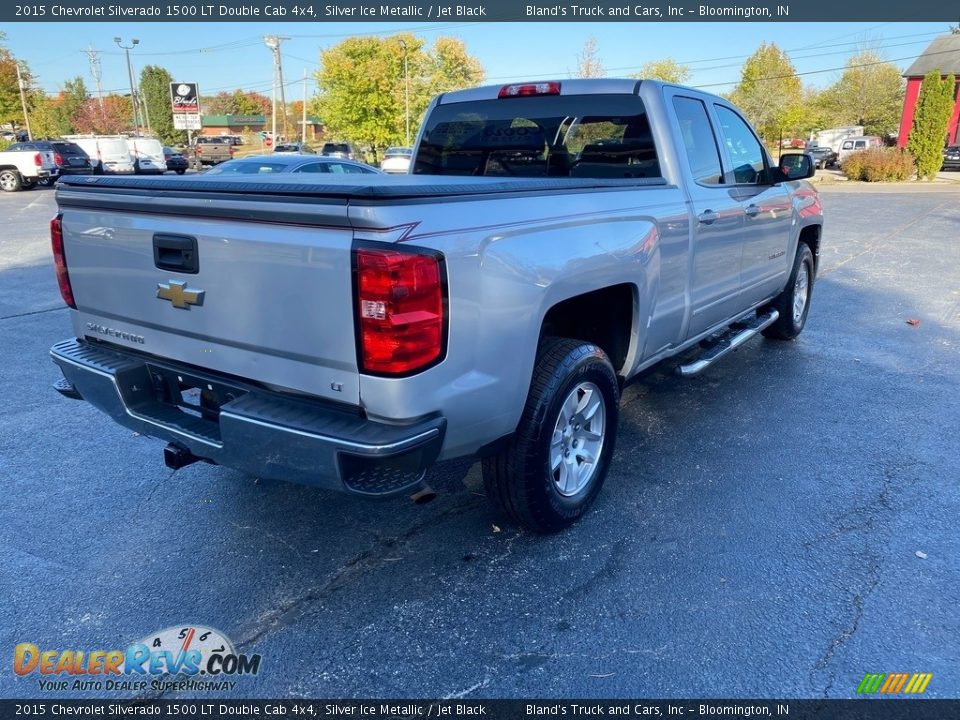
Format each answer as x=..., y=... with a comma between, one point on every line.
x=303, y=137
x=133, y=91
x=406, y=92
x=94, y=59
x=23, y=100
x=273, y=42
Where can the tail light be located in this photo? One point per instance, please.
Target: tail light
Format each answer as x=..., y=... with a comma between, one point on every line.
x=58, y=159
x=38, y=160
x=400, y=309
x=529, y=89
x=60, y=261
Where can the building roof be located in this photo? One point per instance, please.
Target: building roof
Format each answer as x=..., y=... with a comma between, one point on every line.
x=942, y=54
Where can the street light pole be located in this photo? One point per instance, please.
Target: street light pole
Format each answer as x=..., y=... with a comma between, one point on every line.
x=133, y=92
x=406, y=92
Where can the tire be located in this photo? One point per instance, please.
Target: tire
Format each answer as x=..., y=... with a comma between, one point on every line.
x=180, y=172
x=532, y=481
x=793, y=303
x=28, y=184
x=10, y=181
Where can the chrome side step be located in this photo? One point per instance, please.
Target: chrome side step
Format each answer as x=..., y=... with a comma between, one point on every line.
x=731, y=339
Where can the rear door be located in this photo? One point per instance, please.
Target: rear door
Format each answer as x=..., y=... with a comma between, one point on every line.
x=717, y=216
x=267, y=300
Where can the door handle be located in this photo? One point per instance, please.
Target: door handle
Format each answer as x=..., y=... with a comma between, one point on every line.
x=707, y=217
x=176, y=252
x=752, y=211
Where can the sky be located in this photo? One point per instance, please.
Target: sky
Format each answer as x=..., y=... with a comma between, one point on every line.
x=227, y=56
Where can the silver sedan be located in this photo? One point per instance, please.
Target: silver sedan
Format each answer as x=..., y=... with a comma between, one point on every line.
x=273, y=164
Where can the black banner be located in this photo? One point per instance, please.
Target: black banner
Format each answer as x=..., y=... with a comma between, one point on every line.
x=422, y=11
x=863, y=709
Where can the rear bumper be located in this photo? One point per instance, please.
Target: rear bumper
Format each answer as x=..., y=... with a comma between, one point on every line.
x=256, y=431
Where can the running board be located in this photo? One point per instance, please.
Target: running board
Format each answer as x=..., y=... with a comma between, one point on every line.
x=735, y=336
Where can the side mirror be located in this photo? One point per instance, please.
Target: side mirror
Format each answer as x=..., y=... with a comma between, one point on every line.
x=796, y=166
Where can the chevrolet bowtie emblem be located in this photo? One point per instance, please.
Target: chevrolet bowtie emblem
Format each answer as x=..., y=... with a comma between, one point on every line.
x=177, y=293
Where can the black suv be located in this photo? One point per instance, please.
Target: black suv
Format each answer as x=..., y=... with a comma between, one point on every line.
x=69, y=157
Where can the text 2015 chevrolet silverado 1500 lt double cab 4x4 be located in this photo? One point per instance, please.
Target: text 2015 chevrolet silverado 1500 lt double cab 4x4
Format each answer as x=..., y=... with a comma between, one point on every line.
x=553, y=240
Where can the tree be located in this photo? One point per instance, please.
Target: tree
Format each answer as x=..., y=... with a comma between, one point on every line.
x=869, y=93
x=236, y=103
x=52, y=117
x=115, y=116
x=155, y=90
x=930, y=120
x=770, y=93
x=362, y=87
x=589, y=64
x=668, y=70
x=11, y=110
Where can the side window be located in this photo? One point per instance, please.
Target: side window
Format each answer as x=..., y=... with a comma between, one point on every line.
x=847, y=145
x=861, y=144
x=703, y=155
x=312, y=168
x=745, y=150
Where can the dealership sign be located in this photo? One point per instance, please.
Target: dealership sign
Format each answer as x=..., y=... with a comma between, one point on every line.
x=185, y=103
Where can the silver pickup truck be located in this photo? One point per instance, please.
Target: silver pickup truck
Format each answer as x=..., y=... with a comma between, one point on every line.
x=552, y=241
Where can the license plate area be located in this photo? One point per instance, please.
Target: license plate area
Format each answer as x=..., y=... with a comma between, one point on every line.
x=190, y=394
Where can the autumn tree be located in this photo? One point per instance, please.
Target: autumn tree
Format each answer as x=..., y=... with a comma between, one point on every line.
x=238, y=102
x=589, y=64
x=11, y=110
x=770, y=93
x=930, y=121
x=668, y=70
x=113, y=117
x=868, y=93
x=362, y=86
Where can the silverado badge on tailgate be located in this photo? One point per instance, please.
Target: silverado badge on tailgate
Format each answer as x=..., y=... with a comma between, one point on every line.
x=177, y=293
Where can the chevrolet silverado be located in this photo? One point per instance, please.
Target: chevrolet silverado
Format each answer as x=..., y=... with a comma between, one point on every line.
x=552, y=241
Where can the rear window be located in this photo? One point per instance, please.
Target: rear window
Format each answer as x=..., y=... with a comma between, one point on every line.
x=69, y=149
x=210, y=140
x=247, y=168
x=336, y=148
x=287, y=148
x=588, y=136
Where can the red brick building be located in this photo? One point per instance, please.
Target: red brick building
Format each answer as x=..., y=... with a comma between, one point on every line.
x=943, y=54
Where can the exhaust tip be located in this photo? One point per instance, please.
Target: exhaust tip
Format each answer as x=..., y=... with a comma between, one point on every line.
x=423, y=495
x=176, y=456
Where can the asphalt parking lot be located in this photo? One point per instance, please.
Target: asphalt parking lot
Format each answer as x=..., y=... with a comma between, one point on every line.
x=776, y=527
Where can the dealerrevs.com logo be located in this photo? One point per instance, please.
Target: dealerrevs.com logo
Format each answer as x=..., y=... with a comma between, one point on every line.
x=185, y=658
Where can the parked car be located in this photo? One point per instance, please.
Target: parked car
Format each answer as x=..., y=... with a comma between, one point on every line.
x=554, y=240
x=22, y=169
x=69, y=157
x=856, y=144
x=291, y=163
x=951, y=157
x=396, y=160
x=107, y=153
x=293, y=148
x=339, y=149
x=148, y=158
x=823, y=157
x=211, y=150
x=175, y=160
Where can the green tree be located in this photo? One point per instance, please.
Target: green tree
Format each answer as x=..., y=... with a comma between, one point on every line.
x=52, y=117
x=362, y=88
x=770, y=93
x=236, y=103
x=155, y=90
x=868, y=93
x=930, y=120
x=668, y=70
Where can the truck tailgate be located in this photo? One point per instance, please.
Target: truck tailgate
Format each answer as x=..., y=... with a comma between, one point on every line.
x=269, y=302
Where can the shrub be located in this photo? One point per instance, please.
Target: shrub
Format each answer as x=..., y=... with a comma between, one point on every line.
x=4, y=144
x=930, y=123
x=879, y=165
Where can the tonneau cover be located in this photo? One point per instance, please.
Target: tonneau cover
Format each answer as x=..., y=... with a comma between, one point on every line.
x=372, y=187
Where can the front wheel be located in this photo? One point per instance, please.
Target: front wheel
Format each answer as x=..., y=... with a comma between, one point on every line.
x=180, y=172
x=553, y=468
x=10, y=181
x=793, y=303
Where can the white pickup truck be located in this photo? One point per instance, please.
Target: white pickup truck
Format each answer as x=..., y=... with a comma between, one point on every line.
x=22, y=169
x=553, y=240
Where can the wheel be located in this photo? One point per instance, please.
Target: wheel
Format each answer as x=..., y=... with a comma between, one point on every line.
x=10, y=181
x=180, y=172
x=28, y=184
x=793, y=303
x=555, y=464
